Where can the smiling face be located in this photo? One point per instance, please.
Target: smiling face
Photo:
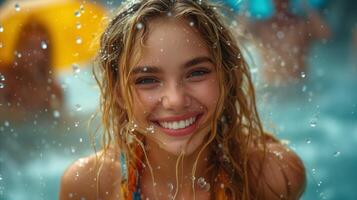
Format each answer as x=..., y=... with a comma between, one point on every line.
x=175, y=86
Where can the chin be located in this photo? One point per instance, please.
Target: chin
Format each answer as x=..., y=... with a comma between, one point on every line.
x=187, y=147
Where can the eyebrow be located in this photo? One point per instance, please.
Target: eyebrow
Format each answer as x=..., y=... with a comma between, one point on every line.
x=156, y=69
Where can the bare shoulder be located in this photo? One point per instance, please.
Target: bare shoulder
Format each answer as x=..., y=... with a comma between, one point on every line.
x=277, y=172
x=91, y=178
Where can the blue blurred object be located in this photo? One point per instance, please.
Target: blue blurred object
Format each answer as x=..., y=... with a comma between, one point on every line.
x=235, y=5
x=261, y=9
x=300, y=7
x=264, y=9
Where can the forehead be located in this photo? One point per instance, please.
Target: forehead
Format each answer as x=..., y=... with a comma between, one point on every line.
x=172, y=41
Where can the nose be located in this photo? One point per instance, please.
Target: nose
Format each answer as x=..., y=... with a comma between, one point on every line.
x=175, y=97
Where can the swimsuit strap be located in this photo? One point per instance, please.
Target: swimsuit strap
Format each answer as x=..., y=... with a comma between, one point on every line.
x=130, y=182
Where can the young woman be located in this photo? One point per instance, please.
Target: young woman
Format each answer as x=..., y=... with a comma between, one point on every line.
x=179, y=114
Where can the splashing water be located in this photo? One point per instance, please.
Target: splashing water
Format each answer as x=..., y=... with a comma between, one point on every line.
x=77, y=13
x=280, y=34
x=303, y=75
x=308, y=141
x=76, y=68
x=78, y=107
x=76, y=124
x=139, y=26
x=43, y=45
x=313, y=123
x=313, y=171
x=17, y=7
x=79, y=40
x=150, y=129
x=336, y=154
x=78, y=25
x=56, y=114
x=203, y=184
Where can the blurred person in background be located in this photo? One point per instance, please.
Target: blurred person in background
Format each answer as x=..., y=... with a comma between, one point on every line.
x=30, y=87
x=285, y=39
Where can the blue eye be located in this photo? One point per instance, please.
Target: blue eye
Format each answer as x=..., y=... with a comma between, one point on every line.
x=198, y=73
x=144, y=81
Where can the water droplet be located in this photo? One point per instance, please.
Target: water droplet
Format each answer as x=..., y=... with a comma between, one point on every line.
x=1, y=29
x=78, y=25
x=139, y=26
x=7, y=123
x=303, y=75
x=17, y=7
x=76, y=124
x=252, y=70
x=170, y=186
x=2, y=85
x=19, y=55
x=280, y=34
x=308, y=141
x=336, y=154
x=303, y=88
x=282, y=63
x=43, y=45
x=2, y=77
x=80, y=139
x=278, y=154
x=76, y=68
x=56, y=114
x=79, y=40
x=313, y=171
x=78, y=107
x=0, y=177
x=203, y=184
x=150, y=129
x=77, y=174
x=73, y=150
x=201, y=181
x=77, y=13
x=313, y=123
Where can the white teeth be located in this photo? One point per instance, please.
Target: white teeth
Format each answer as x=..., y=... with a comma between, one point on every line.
x=178, y=124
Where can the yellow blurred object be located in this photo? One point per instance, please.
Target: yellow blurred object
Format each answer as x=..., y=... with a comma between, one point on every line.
x=73, y=27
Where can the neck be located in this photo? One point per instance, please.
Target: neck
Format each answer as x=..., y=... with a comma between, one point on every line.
x=172, y=171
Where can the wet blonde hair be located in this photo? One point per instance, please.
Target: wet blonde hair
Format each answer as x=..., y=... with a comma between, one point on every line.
x=228, y=140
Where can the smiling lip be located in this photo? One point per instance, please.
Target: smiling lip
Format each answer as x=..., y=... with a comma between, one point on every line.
x=182, y=131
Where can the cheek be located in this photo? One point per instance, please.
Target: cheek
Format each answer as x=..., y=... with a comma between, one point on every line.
x=206, y=93
x=145, y=100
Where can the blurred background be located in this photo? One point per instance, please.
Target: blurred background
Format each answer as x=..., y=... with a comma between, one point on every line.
x=302, y=54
